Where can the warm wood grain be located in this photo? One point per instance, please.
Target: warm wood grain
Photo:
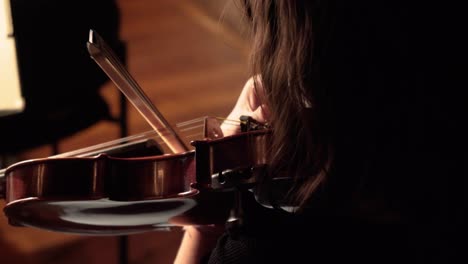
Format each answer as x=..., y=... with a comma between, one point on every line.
x=190, y=64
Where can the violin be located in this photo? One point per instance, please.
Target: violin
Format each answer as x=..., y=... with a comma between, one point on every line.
x=110, y=189
x=105, y=194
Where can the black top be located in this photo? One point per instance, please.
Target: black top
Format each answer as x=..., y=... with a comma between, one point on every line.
x=274, y=236
x=397, y=191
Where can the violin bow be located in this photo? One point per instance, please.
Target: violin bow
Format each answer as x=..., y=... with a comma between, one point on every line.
x=104, y=56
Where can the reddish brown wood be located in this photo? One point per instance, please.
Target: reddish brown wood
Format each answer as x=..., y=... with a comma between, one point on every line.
x=105, y=195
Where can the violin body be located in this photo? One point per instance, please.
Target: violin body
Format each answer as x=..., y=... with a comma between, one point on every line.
x=106, y=194
x=109, y=195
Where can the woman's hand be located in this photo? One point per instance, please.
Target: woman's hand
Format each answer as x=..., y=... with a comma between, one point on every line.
x=198, y=241
x=250, y=104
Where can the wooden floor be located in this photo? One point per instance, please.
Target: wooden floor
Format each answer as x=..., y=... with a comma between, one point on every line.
x=190, y=64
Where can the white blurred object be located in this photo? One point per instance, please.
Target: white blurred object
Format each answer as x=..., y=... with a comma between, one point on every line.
x=11, y=100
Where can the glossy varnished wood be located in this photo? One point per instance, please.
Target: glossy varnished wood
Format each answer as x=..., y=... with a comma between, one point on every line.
x=190, y=64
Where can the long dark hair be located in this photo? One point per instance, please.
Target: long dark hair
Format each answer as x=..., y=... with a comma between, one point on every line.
x=284, y=55
x=368, y=105
x=353, y=89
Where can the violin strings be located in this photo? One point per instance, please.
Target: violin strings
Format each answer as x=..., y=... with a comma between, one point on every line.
x=191, y=125
x=185, y=127
x=107, y=145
